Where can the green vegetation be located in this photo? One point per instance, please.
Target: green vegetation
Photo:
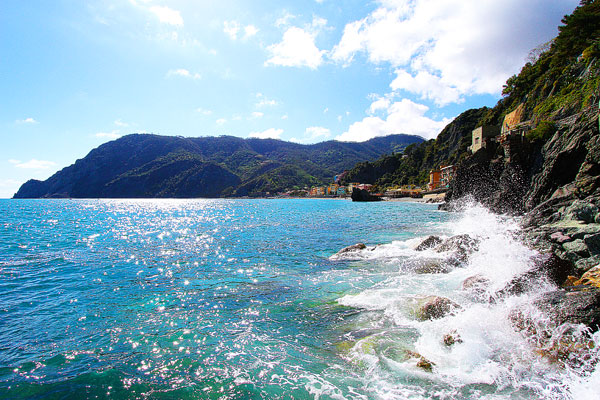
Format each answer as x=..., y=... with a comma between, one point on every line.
x=542, y=132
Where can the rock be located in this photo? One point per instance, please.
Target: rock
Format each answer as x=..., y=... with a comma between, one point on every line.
x=363, y=195
x=349, y=251
x=579, y=305
x=559, y=237
x=581, y=211
x=591, y=277
x=428, y=243
x=462, y=245
x=547, y=265
x=422, y=362
x=476, y=283
x=593, y=243
x=576, y=249
x=452, y=338
x=432, y=267
x=425, y=364
x=584, y=264
x=570, y=281
x=434, y=307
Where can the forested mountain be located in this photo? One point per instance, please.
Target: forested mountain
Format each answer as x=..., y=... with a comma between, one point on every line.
x=143, y=165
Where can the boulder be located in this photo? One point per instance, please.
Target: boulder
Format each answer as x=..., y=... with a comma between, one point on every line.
x=451, y=338
x=363, y=195
x=581, y=211
x=432, y=267
x=349, y=251
x=429, y=243
x=593, y=243
x=461, y=245
x=476, y=283
x=434, y=307
x=422, y=362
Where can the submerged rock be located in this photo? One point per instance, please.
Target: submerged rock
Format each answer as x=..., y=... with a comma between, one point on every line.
x=422, y=362
x=434, y=307
x=429, y=243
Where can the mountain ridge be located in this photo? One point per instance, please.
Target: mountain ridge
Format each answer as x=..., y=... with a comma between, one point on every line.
x=149, y=165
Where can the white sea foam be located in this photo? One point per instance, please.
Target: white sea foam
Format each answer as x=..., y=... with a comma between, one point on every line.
x=491, y=359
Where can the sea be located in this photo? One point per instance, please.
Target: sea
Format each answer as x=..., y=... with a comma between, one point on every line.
x=247, y=299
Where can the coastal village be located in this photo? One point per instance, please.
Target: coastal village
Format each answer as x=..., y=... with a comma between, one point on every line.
x=511, y=136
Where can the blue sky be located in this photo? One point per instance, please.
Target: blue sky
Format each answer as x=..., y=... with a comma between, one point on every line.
x=75, y=74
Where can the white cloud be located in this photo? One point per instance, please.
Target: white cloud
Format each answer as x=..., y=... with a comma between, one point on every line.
x=115, y=134
x=257, y=114
x=264, y=101
x=231, y=28
x=402, y=116
x=121, y=124
x=284, y=117
x=221, y=121
x=448, y=49
x=284, y=20
x=33, y=164
x=249, y=31
x=26, y=121
x=203, y=111
x=167, y=15
x=297, y=49
x=184, y=73
x=382, y=103
x=316, y=132
x=271, y=133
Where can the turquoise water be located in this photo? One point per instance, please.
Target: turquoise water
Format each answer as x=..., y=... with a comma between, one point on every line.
x=245, y=299
x=184, y=298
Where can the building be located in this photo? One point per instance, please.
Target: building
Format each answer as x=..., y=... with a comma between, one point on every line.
x=513, y=131
x=440, y=178
x=482, y=135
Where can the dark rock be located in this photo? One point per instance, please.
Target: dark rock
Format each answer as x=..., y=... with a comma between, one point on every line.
x=363, y=195
x=559, y=237
x=422, y=362
x=428, y=243
x=593, y=243
x=461, y=245
x=434, y=307
x=577, y=305
x=546, y=266
x=351, y=249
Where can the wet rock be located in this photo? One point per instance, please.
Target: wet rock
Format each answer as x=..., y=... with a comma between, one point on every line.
x=578, y=305
x=591, y=277
x=422, y=362
x=476, y=283
x=429, y=243
x=432, y=267
x=434, y=307
x=461, y=245
x=452, y=338
x=547, y=265
x=349, y=251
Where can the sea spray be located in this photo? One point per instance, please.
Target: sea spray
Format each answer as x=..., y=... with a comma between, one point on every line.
x=487, y=356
